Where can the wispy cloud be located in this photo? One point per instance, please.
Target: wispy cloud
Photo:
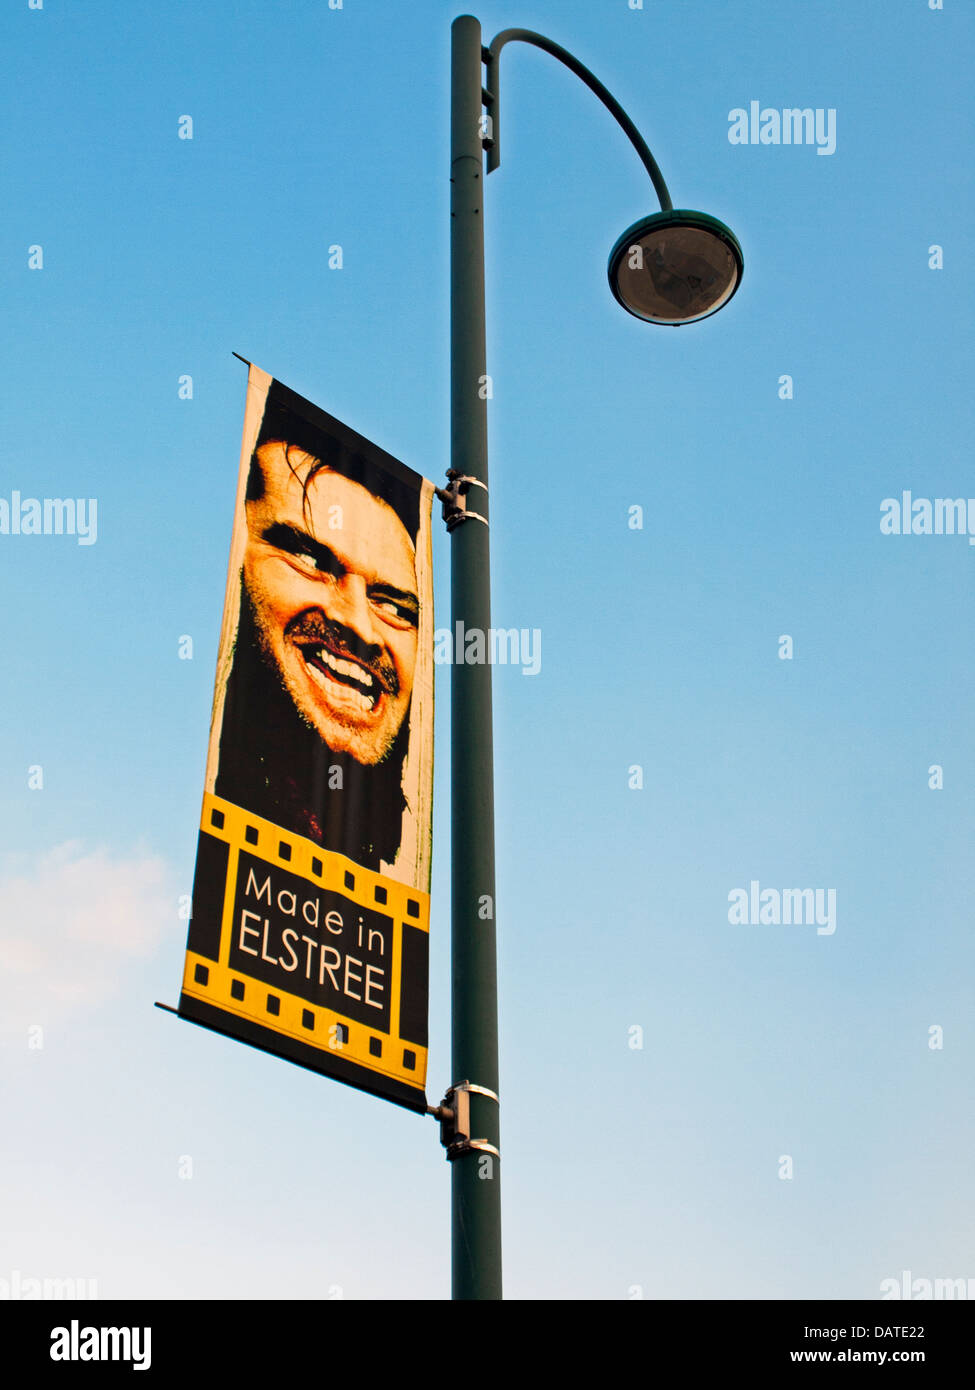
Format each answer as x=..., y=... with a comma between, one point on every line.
x=72, y=921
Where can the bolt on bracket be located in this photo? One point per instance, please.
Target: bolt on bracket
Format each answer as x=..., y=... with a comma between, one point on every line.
x=454, y=498
x=454, y=1114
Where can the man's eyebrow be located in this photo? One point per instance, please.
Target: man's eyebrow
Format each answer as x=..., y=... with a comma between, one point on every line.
x=295, y=541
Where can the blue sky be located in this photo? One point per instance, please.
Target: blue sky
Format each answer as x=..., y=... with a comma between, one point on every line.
x=656, y=1168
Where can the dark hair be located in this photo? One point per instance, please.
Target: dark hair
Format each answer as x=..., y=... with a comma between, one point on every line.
x=332, y=453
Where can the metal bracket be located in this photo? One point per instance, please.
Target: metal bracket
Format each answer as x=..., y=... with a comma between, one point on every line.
x=454, y=498
x=487, y=115
x=454, y=1114
x=488, y=99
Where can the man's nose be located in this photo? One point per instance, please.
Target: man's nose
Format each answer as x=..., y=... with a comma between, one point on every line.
x=351, y=608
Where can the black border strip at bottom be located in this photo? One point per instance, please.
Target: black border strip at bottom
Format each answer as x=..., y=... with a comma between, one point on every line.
x=252, y=1342
x=292, y=1050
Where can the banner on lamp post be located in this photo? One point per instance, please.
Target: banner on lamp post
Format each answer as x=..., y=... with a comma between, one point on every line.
x=310, y=917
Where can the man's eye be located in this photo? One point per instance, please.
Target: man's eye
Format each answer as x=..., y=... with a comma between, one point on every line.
x=396, y=611
x=306, y=561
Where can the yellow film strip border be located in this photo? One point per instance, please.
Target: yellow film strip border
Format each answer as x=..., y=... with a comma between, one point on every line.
x=312, y=1025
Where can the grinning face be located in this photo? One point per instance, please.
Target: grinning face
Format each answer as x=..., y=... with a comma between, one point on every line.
x=332, y=583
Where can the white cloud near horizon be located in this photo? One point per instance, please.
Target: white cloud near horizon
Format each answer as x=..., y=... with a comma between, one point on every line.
x=72, y=920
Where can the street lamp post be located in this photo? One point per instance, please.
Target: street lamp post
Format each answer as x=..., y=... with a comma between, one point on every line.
x=475, y=1172
x=672, y=267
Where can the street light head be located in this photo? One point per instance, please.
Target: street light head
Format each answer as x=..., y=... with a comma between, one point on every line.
x=675, y=267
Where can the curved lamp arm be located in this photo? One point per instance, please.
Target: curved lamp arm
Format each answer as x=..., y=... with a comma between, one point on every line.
x=492, y=98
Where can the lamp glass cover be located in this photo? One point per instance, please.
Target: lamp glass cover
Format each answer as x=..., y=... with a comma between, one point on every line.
x=675, y=273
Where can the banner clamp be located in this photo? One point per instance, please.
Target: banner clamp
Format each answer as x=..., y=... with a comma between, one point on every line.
x=454, y=498
x=454, y=1114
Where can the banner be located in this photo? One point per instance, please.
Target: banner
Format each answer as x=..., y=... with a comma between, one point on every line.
x=310, y=918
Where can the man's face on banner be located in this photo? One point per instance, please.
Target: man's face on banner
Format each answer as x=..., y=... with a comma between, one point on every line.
x=332, y=584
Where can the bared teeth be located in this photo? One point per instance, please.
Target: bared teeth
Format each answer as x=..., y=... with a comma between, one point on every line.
x=365, y=702
x=346, y=668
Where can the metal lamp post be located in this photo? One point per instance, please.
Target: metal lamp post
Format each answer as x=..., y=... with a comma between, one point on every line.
x=672, y=267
